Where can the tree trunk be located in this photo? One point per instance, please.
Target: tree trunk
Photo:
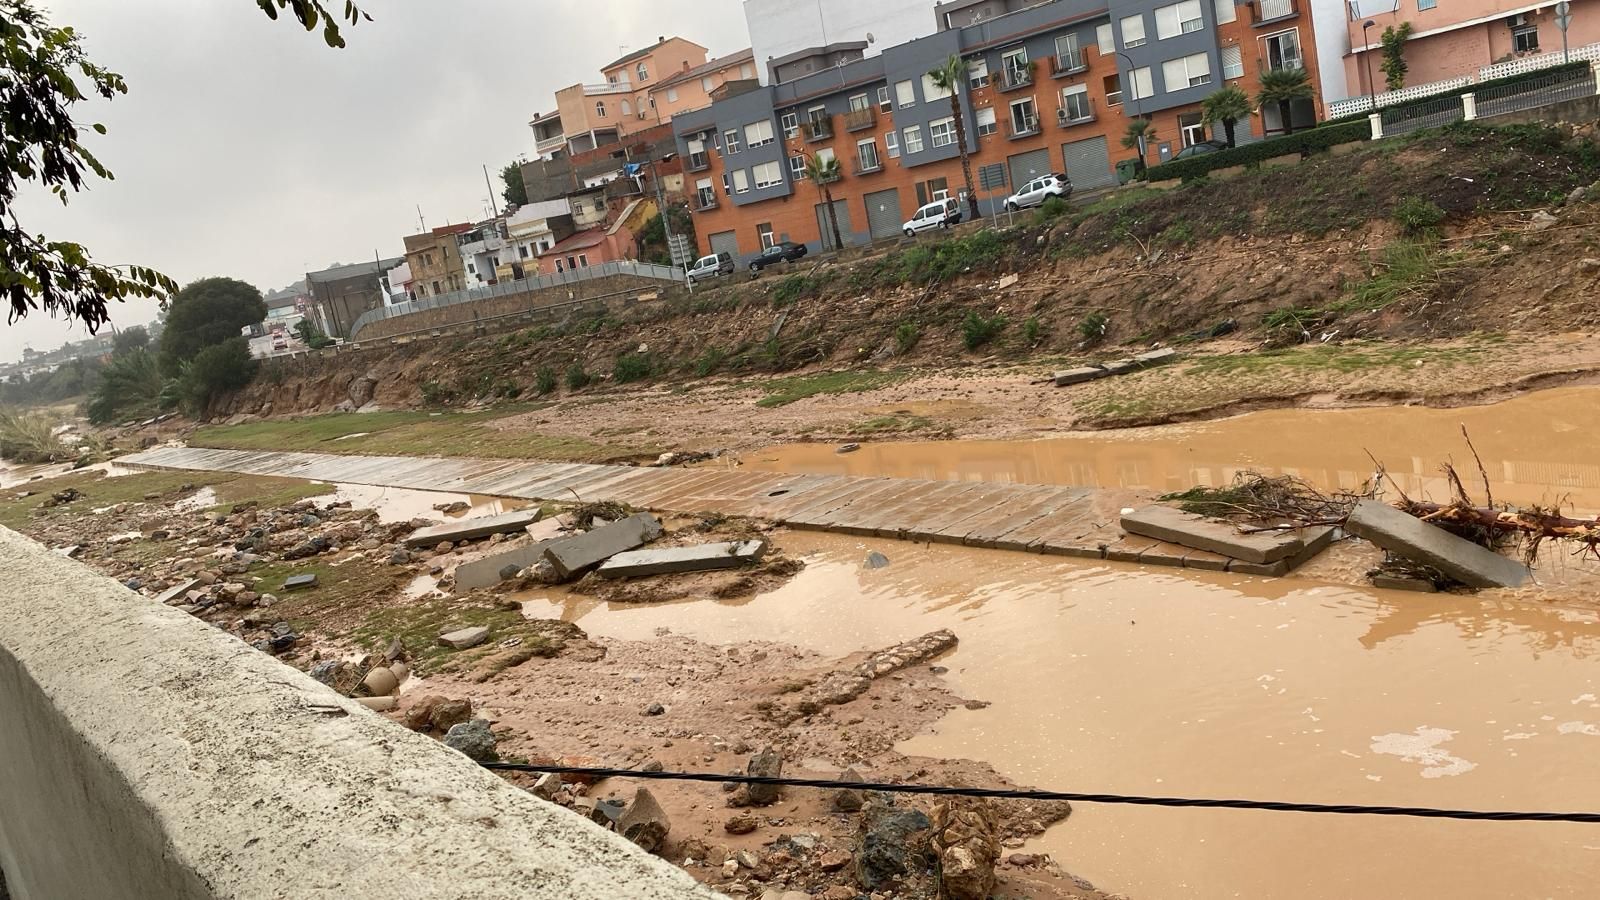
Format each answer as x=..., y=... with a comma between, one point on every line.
x=1227, y=129
x=833, y=221
x=961, y=142
x=1288, y=120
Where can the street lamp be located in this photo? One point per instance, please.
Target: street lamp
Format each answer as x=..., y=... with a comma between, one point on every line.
x=1133, y=88
x=1366, y=59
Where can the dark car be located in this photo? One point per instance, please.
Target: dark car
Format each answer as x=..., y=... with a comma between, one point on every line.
x=785, y=251
x=1201, y=149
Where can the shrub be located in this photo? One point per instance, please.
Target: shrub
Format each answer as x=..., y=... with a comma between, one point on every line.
x=30, y=438
x=710, y=361
x=216, y=370
x=977, y=330
x=632, y=367
x=1302, y=142
x=796, y=287
x=906, y=335
x=436, y=394
x=544, y=380
x=129, y=388
x=1054, y=208
x=1093, y=327
x=978, y=251
x=577, y=378
x=1416, y=215
x=1032, y=330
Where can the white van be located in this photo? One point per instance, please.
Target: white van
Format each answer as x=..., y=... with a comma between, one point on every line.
x=938, y=214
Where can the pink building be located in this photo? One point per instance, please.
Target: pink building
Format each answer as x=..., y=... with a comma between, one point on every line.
x=1455, y=38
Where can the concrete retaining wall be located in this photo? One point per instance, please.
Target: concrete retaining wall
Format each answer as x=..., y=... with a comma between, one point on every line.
x=146, y=754
x=1582, y=109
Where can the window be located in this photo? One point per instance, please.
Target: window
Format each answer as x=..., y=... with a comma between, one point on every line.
x=1192, y=128
x=913, y=135
x=986, y=124
x=797, y=168
x=764, y=235
x=644, y=73
x=1525, y=39
x=1179, y=18
x=790, y=124
x=1283, y=50
x=891, y=144
x=600, y=108
x=867, y=155
x=730, y=141
x=931, y=91
x=818, y=117
x=883, y=99
x=1024, y=116
x=572, y=263
x=758, y=134
x=706, y=84
x=741, y=181
x=522, y=251
x=1133, y=31
x=1232, y=62
x=583, y=260
x=1226, y=13
x=1426, y=4
x=1075, y=103
x=768, y=174
x=747, y=71
x=942, y=132
x=859, y=102
x=905, y=94
x=978, y=73
x=825, y=155
x=1143, y=85
x=612, y=79
x=672, y=95
x=1185, y=71
x=627, y=108
x=1068, y=56
x=931, y=190
x=1104, y=40
x=1015, y=64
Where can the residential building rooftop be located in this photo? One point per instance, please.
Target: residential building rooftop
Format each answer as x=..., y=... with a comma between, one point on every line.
x=639, y=54
x=710, y=66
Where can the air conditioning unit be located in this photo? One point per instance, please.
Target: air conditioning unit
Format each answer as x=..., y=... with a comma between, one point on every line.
x=1061, y=115
x=1517, y=21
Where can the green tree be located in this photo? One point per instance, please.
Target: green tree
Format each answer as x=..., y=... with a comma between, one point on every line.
x=822, y=172
x=129, y=388
x=311, y=334
x=1394, y=62
x=514, y=192
x=206, y=313
x=1282, y=87
x=130, y=339
x=1227, y=106
x=950, y=77
x=215, y=371
x=1138, y=128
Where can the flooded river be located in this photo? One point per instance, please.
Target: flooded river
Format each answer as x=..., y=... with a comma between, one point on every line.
x=1111, y=678
x=1537, y=449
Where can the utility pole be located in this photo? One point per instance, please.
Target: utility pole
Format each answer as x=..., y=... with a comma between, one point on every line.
x=421, y=223
x=490, y=185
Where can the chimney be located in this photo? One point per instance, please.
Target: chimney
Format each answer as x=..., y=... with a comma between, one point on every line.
x=686, y=65
x=661, y=39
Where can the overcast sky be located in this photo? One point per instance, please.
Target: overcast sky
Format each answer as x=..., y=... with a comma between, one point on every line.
x=250, y=149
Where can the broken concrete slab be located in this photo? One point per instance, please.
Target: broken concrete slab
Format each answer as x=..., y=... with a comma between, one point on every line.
x=1409, y=537
x=178, y=590
x=644, y=822
x=1079, y=375
x=572, y=555
x=472, y=529
x=1166, y=523
x=466, y=638
x=1156, y=357
x=674, y=560
x=1317, y=539
x=1118, y=366
x=482, y=573
x=1402, y=583
x=295, y=582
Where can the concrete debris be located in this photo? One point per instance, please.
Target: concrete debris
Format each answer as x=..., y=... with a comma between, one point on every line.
x=381, y=682
x=654, y=709
x=1413, y=539
x=1541, y=220
x=491, y=570
x=466, y=638
x=1166, y=523
x=840, y=687
x=644, y=822
x=1116, y=367
x=297, y=582
x=876, y=560
x=891, y=843
x=1402, y=583
x=1317, y=539
x=454, y=507
x=607, y=812
x=573, y=555
x=1079, y=375
x=474, y=739
x=473, y=529
x=675, y=560
x=547, y=785
x=178, y=590
x=966, y=841
x=683, y=458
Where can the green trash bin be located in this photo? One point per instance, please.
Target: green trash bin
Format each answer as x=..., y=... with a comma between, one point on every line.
x=1127, y=170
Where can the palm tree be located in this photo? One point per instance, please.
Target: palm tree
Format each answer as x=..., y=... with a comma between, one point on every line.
x=950, y=77
x=1283, y=87
x=1139, y=128
x=823, y=171
x=1227, y=106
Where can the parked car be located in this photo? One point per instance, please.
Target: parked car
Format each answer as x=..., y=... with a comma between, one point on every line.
x=279, y=342
x=1035, y=192
x=938, y=214
x=1201, y=149
x=711, y=267
x=784, y=251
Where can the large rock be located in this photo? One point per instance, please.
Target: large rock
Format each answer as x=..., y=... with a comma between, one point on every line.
x=362, y=390
x=891, y=843
x=644, y=821
x=474, y=739
x=849, y=799
x=450, y=713
x=466, y=638
x=572, y=555
x=1409, y=537
x=965, y=837
x=766, y=764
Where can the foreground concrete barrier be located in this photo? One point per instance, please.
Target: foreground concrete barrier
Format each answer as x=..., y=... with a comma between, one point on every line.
x=145, y=754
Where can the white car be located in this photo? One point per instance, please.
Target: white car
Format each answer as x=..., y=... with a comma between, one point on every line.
x=938, y=214
x=1035, y=192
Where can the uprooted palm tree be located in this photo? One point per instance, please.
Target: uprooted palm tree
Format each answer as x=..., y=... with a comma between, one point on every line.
x=950, y=77
x=1138, y=136
x=1227, y=106
x=823, y=171
x=1283, y=87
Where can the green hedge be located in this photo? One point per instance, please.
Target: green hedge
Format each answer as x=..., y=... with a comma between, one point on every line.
x=1301, y=142
x=1572, y=68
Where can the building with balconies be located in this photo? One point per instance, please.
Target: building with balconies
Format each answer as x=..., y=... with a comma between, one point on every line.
x=549, y=141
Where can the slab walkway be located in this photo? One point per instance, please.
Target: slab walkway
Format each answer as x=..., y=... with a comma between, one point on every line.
x=1066, y=521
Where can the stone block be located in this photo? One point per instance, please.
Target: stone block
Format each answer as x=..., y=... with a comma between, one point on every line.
x=1156, y=357
x=296, y=582
x=472, y=529
x=482, y=573
x=572, y=555
x=1119, y=366
x=1409, y=537
x=1079, y=375
x=673, y=560
x=178, y=590
x=644, y=821
x=1316, y=540
x=1175, y=526
x=466, y=638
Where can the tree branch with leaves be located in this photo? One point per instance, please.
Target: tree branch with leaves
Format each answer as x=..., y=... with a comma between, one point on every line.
x=1394, y=62
x=950, y=77
x=1227, y=106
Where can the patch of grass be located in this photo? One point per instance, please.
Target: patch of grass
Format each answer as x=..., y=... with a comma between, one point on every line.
x=882, y=425
x=544, y=380
x=978, y=330
x=1416, y=215
x=632, y=367
x=577, y=378
x=906, y=335
x=269, y=493
x=1093, y=327
x=1341, y=358
x=783, y=391
x=1408, y=269
x=710, y=361
x=97, y=490
x=418, y=626
x=979, y=251
x=1033, y=329
x=797, y=287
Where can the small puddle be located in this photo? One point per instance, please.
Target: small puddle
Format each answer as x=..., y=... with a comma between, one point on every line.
x=1111, y=678
x=403, y=505
x=1537, y=448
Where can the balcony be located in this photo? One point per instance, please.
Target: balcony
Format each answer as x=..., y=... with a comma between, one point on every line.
x=549, y=144
x=704, y=202
x=1023, y=126
x=1065, y=64
x=698, y=162
x=1078, y=113
x=819, y=129
x=596, y=90
x=831, y=177
x=1016, y=77
x=1265, y=12
x=860, y=119
x=867, y=166
x=1114, y=98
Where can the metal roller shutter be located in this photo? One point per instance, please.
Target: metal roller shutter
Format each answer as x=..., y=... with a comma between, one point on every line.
x=841, y=211
x=1088, y=164
x=725, y=242
x=883, y=214
x=1025, y=167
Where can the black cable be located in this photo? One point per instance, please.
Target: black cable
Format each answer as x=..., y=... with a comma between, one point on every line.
x=1008, y=794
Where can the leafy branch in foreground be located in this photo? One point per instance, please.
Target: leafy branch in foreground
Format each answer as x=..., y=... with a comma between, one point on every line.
x=309, y=12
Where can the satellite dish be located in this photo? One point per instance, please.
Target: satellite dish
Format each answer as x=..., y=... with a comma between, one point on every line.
x=871, y=39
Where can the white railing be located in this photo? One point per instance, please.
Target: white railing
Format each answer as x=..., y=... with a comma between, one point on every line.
x=1341, y=108
x=620, y=87
x=1534, y=63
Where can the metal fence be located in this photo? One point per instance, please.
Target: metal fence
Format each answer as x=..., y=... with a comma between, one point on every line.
x=1540, y=90
x=1432, y=113
x=522, y=286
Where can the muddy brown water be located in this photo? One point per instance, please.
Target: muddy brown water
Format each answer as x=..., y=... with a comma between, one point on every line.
x=1538, y=448
x=1106, y=677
